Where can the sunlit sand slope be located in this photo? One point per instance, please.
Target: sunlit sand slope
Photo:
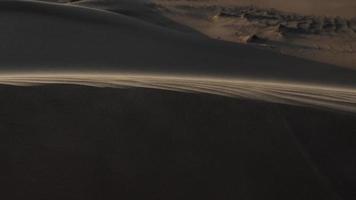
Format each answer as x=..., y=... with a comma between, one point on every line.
x=338, y=98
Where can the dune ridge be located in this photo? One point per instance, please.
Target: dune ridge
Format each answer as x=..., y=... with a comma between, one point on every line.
x=323, y=96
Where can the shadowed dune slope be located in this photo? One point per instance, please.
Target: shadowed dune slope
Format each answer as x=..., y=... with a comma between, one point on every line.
x=75, y=142
x=38, y=36
x=142, y=10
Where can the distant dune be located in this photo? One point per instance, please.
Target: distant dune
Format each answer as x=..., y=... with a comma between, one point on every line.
x=54, y=37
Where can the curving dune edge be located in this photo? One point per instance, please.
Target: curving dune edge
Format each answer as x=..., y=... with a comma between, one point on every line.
x=320, y=96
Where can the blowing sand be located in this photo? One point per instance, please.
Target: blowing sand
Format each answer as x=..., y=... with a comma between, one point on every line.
x=330, y=97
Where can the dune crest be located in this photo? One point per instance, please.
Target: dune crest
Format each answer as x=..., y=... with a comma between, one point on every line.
x=336, y=98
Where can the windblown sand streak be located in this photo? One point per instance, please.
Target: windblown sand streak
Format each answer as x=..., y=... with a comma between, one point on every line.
x=337, y=98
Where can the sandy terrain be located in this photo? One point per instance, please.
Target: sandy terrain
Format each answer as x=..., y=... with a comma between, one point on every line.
x=105, y=99
x=343, y=8
x=72, y=142
x=78, y=38
x=317, y=34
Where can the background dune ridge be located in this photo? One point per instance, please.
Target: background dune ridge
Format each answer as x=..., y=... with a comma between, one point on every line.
x=64, y=38
x=323, y=96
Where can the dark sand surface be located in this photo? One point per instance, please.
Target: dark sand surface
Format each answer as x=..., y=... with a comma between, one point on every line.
x=75, y=142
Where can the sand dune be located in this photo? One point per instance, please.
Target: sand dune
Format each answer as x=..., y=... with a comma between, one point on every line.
x=114, y=104
x=76, y=142
x=43, y=36
x=337, y=98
